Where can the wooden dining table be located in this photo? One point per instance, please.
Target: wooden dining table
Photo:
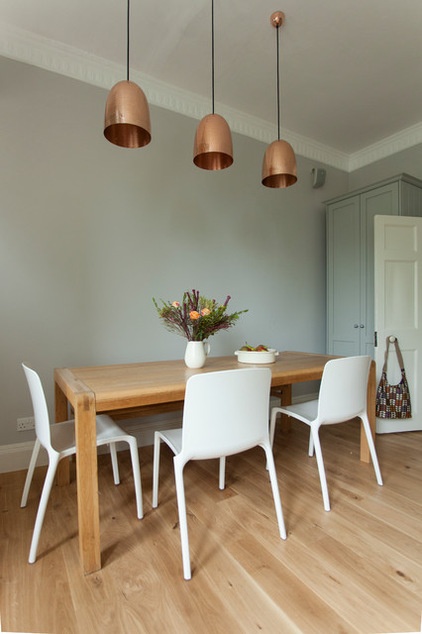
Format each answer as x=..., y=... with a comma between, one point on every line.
x=137, y=389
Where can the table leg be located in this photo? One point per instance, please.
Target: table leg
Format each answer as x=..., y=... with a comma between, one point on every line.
x=87, y=482
x=63, y=471
x=286, y=399
x=364, y=449
x=284, y=393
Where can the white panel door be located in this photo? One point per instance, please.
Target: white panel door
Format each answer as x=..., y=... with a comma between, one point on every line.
x=398, y=307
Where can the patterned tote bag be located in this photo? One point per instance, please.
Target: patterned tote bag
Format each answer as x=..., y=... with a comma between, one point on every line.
x=393, y=401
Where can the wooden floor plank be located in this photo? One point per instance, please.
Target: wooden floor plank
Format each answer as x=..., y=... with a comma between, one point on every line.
x=356, y=569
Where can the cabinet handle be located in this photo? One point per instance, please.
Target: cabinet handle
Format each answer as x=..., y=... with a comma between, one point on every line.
x=356, y=326
x=362, y=326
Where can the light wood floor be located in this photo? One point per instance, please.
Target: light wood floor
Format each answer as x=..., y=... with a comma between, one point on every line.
x=357, y=569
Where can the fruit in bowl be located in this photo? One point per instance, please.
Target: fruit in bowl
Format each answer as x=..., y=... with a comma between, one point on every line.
x=256, y=354
x=260, y=348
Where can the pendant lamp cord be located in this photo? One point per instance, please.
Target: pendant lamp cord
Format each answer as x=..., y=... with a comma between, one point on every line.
x=278, y=82
x=127, y=40
x=212, y=53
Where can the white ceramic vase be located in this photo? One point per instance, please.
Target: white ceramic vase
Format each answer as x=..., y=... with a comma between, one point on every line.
x=196, y=353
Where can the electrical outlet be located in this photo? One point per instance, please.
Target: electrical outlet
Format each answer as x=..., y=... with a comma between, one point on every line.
x=23, y=424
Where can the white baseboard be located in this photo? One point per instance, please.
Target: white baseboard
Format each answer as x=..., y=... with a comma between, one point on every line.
x=394, y=426
x=17, y=456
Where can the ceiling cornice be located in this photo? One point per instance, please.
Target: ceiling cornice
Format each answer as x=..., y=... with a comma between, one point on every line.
x=391, y=145
x=65, y=60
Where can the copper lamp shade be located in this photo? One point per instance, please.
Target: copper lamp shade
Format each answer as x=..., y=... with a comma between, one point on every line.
x=127, y=121
x=279, y=165
x=213, y=148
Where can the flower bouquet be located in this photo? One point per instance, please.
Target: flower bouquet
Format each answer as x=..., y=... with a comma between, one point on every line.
x=196, y=317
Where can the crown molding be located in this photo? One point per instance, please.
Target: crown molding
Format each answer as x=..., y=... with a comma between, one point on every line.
x=65, y=60
x=403, y=140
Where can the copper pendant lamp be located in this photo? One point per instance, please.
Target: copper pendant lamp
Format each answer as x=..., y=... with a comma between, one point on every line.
x=127, y=121
x=213, y=148
x=279, y=165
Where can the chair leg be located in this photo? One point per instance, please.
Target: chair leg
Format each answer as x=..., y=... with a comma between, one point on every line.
x=372, y=450
x=114, y=462
x=321, y=469
x=275, y=490
x=30, y=472
x=156, y=469
x=42, y=507
x=311, y=445
x=222, y=473
x=183, y=525
x=136, y=469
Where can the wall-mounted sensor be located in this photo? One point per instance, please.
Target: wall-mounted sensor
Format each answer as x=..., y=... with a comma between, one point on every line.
x=318, y=177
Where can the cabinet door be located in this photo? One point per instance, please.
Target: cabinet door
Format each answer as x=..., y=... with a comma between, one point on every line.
x=344, y=277
x=380, y=201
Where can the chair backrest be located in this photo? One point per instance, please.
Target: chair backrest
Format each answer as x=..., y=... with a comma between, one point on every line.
x=39, y=405
x=225, y=412
x=343, y=390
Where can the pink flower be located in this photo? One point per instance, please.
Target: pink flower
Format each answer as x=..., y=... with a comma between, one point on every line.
x=205, y=311
x=175, y=304
x=194, y=315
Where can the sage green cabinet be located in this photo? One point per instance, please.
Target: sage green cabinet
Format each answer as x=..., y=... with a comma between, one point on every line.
x=350, y=259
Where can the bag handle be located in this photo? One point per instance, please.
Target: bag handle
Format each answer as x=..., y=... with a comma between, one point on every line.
x=398, y=352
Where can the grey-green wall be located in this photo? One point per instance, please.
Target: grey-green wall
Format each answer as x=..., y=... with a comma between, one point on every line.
x=90, y=232
x=407, y=161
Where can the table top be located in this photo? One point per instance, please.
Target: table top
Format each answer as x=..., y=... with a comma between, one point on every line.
x=138, y=384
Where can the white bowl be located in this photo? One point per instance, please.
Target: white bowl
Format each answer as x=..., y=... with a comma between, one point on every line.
x=255, y=356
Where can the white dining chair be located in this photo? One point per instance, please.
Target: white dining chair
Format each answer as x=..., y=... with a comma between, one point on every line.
x=342, y=397
x=59, y=442
x=224, y=413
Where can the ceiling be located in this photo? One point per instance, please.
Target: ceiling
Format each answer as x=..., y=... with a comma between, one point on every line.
x=350, y=71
